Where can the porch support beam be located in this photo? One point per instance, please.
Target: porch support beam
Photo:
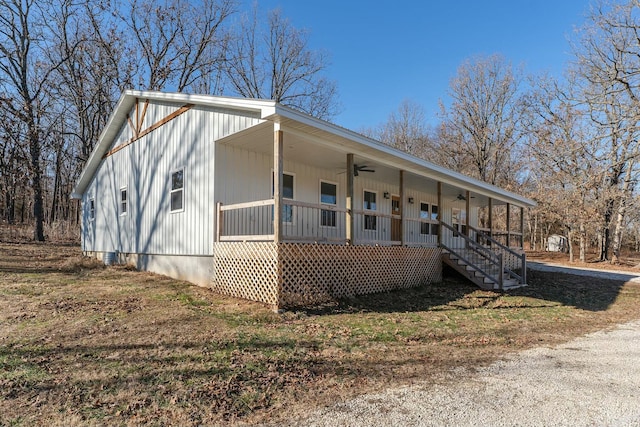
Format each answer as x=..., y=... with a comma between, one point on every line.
x=349, y=201
x=508, y=225
x=402, y=192
x=522, y=227
x=490, y=217
x=439, y=212
x=278, y=139
x=467, y=208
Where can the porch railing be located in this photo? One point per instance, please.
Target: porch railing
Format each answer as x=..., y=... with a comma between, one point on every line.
x=511, y=257
x=484, y=257
x=310, y=222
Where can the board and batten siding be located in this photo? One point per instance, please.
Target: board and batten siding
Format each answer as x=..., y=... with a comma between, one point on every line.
x=145, y=168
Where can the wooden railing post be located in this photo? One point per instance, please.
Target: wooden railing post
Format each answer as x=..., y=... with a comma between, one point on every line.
x=501, y=274
x=524, y=268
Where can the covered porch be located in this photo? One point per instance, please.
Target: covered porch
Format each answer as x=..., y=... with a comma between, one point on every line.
x=336, y=214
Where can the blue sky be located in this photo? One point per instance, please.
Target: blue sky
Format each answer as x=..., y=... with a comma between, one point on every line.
x=384, y=52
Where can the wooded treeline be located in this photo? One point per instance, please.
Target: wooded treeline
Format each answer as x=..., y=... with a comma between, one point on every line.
x=571, y=144
x=64, y=64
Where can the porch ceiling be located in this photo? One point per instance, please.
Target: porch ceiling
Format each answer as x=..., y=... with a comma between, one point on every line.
x=319, y=147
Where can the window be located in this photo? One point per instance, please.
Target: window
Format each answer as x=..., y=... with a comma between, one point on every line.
x=424, y=214
x=177, y=190
x=369, y=203
x=92, y=209
x=123, y=201
x=459, y=219
x=435, y=228
x=287, y=193
x=328, y=196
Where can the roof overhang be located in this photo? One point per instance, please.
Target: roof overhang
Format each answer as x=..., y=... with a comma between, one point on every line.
x=127, y=101
x=331, y=137
x=340, y=140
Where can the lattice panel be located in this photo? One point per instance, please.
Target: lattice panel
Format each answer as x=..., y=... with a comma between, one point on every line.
x=246, y=270
x=316, y=272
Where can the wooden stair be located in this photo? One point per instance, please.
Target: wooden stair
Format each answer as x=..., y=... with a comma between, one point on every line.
x=491, y=266
x=479, y=270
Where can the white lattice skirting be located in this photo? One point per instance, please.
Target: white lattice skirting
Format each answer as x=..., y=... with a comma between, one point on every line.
x=294, y=274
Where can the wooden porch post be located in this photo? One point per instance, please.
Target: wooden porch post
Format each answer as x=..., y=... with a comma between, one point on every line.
x=467, y=209
x=402, y=242
x=349, y=201
x=277, y=183
x=508, y=225
x=490, y=217
x=219, y=227
x=522, y=227
x=439, y=212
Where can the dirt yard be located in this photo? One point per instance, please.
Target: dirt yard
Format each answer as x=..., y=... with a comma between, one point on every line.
x=84, y=344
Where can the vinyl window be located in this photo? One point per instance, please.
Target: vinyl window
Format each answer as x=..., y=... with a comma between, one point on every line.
x=288, y=192
x=369, y=204
x=123, y=201
x=177, y=191
x=328, y=196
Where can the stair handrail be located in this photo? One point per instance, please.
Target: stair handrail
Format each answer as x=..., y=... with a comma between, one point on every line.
x=476, y=246
x=492, y=257
x=476, y=268
x=522, y=256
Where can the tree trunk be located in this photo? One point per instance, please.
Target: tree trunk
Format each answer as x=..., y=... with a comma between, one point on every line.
x=622, y=210
x=35, y=151
x=570, y=244
x=583, y=238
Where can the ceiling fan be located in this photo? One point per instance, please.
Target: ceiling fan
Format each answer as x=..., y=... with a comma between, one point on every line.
x=363, y=168
x=461, y=197
x=359, y=168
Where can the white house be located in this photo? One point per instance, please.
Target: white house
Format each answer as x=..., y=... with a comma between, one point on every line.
x=260, y=201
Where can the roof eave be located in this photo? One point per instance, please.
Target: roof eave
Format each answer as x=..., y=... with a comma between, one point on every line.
x=446, y=175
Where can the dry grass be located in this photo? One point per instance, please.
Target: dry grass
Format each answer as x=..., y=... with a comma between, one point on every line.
x=81, y=344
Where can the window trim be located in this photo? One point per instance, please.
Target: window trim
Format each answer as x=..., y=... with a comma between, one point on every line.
x=435, y=225
x=428, y=218
x=335, y=205
x=461, y=225
x=171, y=190
x=375, y=218
x=92, y=209
x=124, y=202
x=273, y=188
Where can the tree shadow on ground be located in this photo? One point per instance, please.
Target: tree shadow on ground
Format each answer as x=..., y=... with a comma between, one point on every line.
x=583, y=292
x=575, y=290
x=421, y=298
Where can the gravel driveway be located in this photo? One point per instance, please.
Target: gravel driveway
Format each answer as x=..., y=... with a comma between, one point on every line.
x=590, y=381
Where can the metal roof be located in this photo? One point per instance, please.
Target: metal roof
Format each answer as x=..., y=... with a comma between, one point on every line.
x=271, y=111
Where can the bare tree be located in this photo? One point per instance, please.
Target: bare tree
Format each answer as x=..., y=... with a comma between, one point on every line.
x=564, y=150
x=406, y=129
x=25, y=74
x=179, y=44
x=608, y=65
x=479, y=133
x=274, y=61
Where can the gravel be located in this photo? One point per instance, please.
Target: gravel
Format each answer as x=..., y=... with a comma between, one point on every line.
x=590, y=381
